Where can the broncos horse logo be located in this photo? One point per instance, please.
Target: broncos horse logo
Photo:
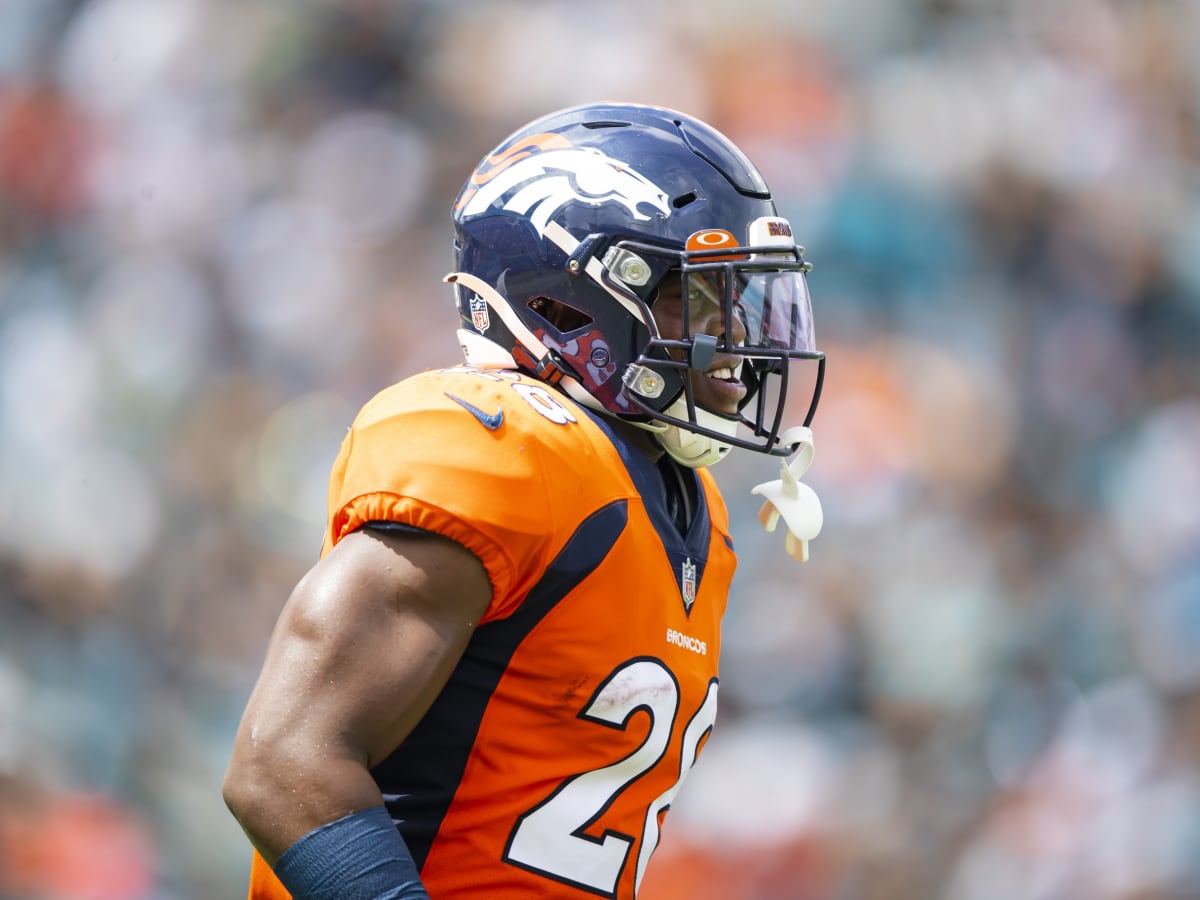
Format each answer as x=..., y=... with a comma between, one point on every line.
x=543, y=173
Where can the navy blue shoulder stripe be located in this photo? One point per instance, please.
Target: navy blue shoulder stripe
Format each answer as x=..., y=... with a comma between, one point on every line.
x=419, y=779
x=647, y=479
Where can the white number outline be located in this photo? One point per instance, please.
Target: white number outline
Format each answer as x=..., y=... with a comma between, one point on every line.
x=544, y=402
x=550, y=839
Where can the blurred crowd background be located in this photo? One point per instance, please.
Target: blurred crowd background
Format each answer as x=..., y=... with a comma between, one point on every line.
x=223, y=225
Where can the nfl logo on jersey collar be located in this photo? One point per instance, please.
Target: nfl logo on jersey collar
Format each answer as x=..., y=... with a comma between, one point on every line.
x=687, y=583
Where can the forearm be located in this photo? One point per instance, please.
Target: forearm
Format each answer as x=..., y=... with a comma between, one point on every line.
x=278, y=800
x=323, y=830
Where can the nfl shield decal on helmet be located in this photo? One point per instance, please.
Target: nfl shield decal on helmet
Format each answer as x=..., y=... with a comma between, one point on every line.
x=479, y=313
x=687, y=583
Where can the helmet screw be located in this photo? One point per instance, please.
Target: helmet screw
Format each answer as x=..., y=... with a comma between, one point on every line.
x=627, y=266
x=573, y=267
x=635, y=272
x=643, y=380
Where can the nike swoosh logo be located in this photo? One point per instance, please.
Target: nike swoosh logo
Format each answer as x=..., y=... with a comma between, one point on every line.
x=489, y=421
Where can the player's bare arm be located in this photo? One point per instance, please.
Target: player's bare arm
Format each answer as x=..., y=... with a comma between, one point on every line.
x=364, y=644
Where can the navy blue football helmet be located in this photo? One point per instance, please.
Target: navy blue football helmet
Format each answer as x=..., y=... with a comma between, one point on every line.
x=570, y=230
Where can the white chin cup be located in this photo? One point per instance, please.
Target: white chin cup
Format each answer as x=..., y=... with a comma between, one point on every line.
x=689, y=448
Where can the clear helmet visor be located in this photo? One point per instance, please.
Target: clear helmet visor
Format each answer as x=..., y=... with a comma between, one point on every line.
x=767, y=309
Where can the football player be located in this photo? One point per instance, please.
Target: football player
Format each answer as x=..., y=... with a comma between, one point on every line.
x=498, y=675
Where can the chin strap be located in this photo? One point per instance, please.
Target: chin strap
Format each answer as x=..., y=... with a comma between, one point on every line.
x=796, y=502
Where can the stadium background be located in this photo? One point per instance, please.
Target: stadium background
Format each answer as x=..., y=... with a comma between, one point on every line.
x=223, y=225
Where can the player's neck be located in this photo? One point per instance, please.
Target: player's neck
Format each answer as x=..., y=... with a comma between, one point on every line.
x=638, y=438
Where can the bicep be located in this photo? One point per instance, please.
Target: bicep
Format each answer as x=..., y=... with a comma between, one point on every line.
x=362, y=647
x=370, y=636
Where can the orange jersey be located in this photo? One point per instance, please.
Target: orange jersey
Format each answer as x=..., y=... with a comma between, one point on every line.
x=547, y=764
